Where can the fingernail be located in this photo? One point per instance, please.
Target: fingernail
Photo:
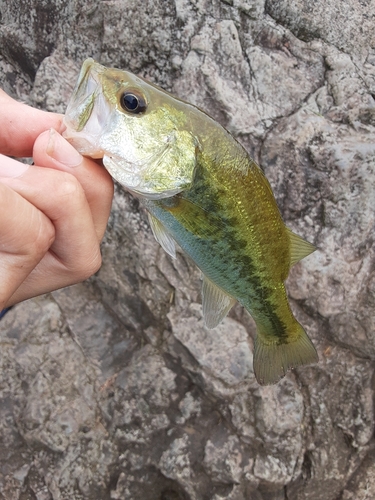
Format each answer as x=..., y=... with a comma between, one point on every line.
x=11, y=168
x=63, y=152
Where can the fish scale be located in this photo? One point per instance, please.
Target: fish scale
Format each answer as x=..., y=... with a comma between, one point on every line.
x=229, y=254
x=203, y=191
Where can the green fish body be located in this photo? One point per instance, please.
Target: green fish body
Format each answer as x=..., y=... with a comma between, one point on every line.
x=203, y=191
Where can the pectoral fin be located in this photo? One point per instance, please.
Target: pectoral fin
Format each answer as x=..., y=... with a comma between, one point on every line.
x=216, y=303
x=299, y=248
x=162, y=236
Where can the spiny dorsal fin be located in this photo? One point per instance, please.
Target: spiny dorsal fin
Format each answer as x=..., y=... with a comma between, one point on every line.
x=216, y=303
x=299, y=248
x=162, y=236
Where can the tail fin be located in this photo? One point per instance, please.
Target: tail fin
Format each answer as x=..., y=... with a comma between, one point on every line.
x=272, y=360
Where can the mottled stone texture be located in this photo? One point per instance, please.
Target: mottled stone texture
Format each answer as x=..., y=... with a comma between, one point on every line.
x=113, y=389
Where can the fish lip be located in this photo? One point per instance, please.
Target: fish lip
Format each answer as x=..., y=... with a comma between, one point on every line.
x=63, y=127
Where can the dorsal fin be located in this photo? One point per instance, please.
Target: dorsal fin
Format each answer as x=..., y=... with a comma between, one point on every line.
x=216, y=303
x=162, y=236
x=299, y=248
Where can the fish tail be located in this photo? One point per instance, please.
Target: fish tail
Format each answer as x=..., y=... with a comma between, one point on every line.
x=272, y=359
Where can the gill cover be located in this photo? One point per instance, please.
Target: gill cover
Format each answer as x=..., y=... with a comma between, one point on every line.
x=168, y=170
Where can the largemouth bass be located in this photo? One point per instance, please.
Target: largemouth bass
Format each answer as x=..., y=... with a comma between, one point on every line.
x=203, y=191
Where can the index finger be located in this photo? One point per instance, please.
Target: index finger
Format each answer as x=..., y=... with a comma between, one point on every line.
x=21, y=125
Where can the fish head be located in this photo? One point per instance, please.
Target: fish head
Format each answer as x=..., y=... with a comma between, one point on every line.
x=140, y=131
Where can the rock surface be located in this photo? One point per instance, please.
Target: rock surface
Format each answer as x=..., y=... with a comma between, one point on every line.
x=113, y=389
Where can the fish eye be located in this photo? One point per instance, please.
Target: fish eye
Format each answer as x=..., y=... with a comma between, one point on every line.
x=133, y=102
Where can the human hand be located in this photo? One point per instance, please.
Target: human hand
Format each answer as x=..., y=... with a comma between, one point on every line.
x=53, y=213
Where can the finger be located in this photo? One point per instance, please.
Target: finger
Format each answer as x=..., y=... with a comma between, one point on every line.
x=26, y=235
x=61, y=198
x=53, y=151
x=21, y=125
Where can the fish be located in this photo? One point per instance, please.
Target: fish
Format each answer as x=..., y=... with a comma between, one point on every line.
x=204, y=192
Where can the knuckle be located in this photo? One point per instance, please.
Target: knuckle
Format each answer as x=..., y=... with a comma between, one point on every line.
x=95, y=264
x=69, y=187
x=91, y=265
x=43, y=238
x=34, y=236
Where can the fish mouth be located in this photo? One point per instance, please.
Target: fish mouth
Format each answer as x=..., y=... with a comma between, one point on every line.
x=87, y=112
x=81, y=102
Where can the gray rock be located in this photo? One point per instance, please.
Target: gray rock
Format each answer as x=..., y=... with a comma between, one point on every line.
x=347, y=26
x=113, y=388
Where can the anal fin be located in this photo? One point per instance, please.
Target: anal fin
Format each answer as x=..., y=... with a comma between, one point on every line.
x=162, y=236
x=216, y=303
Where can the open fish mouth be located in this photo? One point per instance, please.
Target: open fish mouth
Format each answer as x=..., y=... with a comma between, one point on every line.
x=88, y=112
x=84, y=95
